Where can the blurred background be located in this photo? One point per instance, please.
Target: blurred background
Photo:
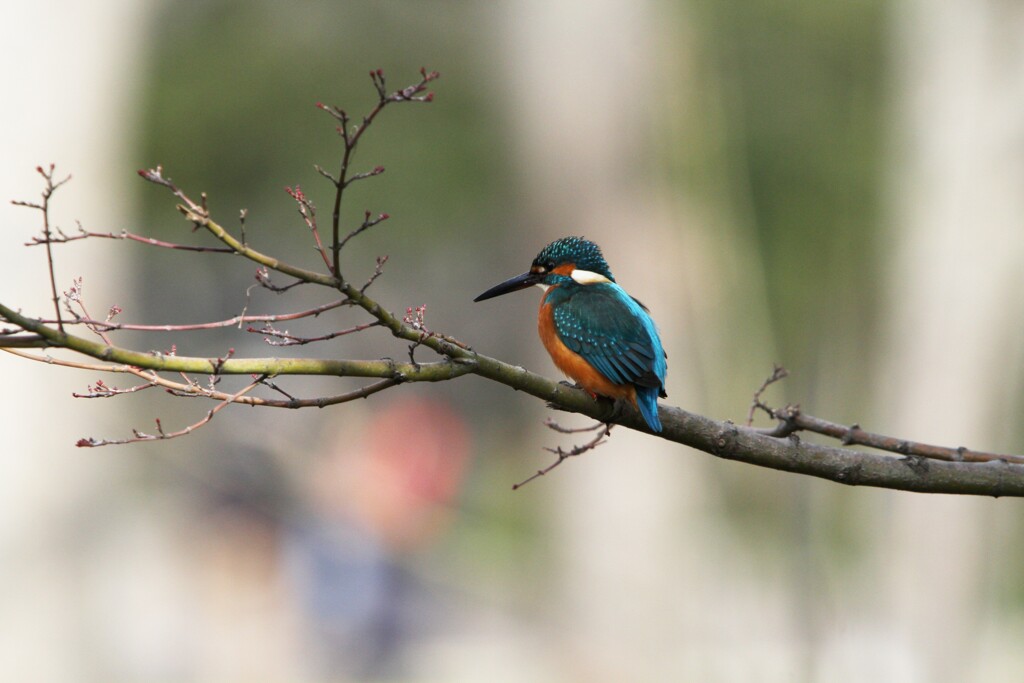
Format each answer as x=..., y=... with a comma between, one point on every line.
x=836, y=187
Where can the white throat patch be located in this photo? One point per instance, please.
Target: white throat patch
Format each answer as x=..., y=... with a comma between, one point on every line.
x=587, y=277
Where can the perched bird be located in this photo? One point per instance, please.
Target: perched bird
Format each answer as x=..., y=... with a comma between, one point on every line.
x=596, y=333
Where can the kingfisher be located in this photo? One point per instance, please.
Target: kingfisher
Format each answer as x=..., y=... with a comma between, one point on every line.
x=595, y=332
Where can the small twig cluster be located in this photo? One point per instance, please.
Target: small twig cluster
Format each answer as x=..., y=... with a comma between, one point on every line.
x=603, y=431
x=350, y=135
x=75, y=312
x=778, y=373
x=50, y=186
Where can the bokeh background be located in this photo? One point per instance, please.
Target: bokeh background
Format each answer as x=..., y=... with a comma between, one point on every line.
x=836, y=187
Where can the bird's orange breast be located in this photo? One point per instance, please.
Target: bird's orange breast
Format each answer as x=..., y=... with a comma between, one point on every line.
x=573, y=364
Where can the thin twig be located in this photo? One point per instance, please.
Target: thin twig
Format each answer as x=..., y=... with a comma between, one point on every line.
x=125, y=235
x=161, y=435
x=264, y=281
x=308, y=212
x=377, y=272
x=44, y=208
x=156, y=176
x=564, y=455
x=275, y=337
x=778, y=373
x=103, y=390
x=75, y=296
x=237, y=321
x=551, y=424
x=366, y=225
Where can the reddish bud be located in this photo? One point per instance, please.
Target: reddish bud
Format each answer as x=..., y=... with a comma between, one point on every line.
x=384, y=216
x=429, y=97
x=320, y=105
x=380, y=73
x=378, y=170
x=423, y=71
x=39, y=169
x=84, y=443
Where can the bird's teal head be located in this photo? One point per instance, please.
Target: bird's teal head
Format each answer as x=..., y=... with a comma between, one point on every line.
x=571, y=254
x=566, y=260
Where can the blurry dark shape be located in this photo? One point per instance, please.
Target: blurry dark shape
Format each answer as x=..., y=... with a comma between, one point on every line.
x=378, y=502
x=246, y=481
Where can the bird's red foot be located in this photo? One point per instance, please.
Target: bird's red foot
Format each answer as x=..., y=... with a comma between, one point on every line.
x=577, y=385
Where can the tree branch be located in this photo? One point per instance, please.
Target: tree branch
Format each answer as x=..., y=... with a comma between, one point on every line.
x=792, y=420
x=721, y=439
x=911, y=466
x=165, y=362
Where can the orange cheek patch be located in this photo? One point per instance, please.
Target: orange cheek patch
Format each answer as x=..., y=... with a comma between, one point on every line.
x=564, y=269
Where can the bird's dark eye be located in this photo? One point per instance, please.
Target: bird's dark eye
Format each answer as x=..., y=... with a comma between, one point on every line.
x=549, y=266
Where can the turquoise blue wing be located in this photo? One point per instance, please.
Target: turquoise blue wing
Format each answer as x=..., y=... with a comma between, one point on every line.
x=613, y=333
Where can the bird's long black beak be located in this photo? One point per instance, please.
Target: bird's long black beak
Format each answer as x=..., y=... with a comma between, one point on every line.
x=511, y=285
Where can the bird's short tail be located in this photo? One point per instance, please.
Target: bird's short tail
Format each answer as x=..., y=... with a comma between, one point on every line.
x=647, y=402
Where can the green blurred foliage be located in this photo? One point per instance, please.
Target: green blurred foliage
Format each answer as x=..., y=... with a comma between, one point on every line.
x=805, y=91
x=782, y=134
